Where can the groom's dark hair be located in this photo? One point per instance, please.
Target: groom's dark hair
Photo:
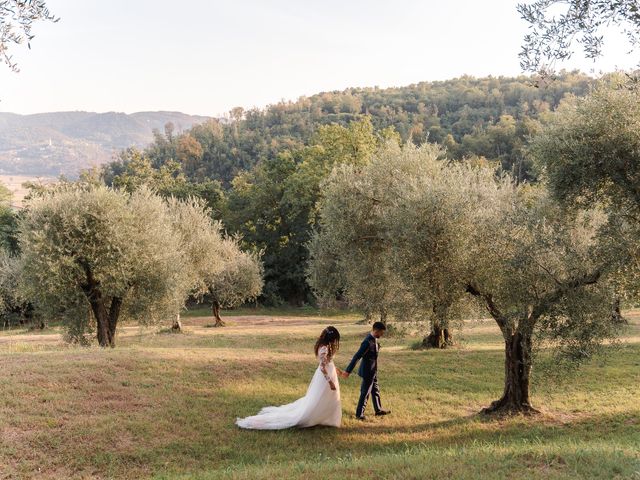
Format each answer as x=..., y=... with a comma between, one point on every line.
x=379, y=326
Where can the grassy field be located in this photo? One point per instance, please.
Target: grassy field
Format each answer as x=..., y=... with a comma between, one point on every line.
x=163, y=406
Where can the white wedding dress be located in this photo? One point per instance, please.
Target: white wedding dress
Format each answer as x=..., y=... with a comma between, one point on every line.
x=320, y=406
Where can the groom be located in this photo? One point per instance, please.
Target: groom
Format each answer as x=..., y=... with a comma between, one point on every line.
x=368, y=352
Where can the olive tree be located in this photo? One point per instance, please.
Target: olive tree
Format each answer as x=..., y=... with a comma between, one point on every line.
x=554, y=272
x=200, y=239
x=390, y=236
x=431, y=210
x=435, y=229
x=240, y=280
x=350, y=253
x=90, y=253
x=590, y=156
x=541, y=272
x=214, y=265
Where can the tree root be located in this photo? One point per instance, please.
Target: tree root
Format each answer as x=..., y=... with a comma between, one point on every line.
x=507, y=408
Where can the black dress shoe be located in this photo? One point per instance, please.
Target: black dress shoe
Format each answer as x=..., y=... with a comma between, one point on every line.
x=383, y=412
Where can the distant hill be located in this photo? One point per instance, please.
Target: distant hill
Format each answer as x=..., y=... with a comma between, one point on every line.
x=57, y=143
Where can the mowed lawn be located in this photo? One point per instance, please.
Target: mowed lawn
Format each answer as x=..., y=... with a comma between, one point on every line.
x=163, y=405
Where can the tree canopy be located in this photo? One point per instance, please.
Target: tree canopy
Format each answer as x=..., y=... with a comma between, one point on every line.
x=589, y=155
x=590, y=150
x=93, y=249
x=413, y=233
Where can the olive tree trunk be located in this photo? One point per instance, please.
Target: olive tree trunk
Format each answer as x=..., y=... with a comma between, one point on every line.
x=106, y=318
x=177, y=324
x=215, y=311
x=517, y=371
x=517, y=357
x=439, y=337
x=616, y=314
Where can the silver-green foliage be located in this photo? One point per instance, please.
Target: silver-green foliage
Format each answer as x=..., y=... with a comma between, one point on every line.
x=414, y=233
x=214, y=263
x=590, y=155
x=394, y=232
x=16, y=20
x=9, y=275
x=554, y=26
x=590, y=150
x=85, y=244
x=241, y=278
x=535, y=260
x=201, y=242
x=351, y=252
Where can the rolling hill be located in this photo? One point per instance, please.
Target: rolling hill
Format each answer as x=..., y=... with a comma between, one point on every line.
x=47, y=144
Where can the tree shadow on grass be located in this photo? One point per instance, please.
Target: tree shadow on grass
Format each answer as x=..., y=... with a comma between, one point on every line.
x=603, y=442
x=469, y=464
x=471, y=429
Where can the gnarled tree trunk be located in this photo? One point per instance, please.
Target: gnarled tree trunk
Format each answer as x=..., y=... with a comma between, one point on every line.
x=215, y=311
x=517, y=370
x=368, y=317
x=439, y=337
x=616, y=314
x=114, y=314
x=106, y=320
x=177, y=324
x=105, y=339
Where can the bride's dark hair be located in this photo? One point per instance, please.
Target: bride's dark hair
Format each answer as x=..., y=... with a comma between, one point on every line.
x=330, y=337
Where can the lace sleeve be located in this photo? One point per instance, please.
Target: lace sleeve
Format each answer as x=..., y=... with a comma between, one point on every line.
x=324, y=360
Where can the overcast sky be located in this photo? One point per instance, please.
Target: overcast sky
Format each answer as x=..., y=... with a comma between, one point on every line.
x=207, y=56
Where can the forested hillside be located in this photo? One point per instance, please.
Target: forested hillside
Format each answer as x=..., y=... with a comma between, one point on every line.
x=489, y=117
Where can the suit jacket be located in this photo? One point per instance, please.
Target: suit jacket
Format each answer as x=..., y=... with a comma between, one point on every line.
x=368, y=352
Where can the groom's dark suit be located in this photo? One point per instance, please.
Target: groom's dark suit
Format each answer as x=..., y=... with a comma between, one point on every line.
x=368, y=370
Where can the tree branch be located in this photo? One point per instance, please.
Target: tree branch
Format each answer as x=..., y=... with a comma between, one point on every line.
x=493, y=309
x=549, y=299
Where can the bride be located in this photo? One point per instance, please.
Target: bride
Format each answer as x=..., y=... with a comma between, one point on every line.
x=320, y=406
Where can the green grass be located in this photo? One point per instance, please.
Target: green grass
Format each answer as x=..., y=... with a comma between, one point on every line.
x=163, y=406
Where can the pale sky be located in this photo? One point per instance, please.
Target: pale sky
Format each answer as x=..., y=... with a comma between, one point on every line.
x=208, y=56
